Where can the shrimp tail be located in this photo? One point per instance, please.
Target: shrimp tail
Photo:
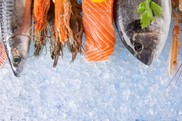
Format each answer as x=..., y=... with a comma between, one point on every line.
x=56, y=51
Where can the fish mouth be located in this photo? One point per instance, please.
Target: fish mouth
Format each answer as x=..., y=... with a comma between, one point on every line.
x=146, y=59
x=16, y=72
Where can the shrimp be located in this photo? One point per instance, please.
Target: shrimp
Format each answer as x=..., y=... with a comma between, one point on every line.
x=59, y=24
x=68, y=29
x=60, y=31
x=40, y=15
x=75, y=38
x=177, y=18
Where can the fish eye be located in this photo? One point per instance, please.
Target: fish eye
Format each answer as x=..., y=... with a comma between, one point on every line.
x=17, y=60
x=138, y=46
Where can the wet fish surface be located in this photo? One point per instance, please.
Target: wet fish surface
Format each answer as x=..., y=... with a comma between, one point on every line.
x=144, y=44
x=15, y=18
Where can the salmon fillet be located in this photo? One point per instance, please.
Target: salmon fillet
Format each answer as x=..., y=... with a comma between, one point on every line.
x=2, y=54
x=99, y=30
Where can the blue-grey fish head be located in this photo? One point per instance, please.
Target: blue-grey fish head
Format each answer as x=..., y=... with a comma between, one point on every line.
x=145, y=46
x=18, y=52
x=144, y=43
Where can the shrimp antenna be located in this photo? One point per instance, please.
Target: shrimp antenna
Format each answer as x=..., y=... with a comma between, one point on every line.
x=175, y=79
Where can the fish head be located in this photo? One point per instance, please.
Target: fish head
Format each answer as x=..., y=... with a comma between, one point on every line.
x=144, y=42
x=19, y=47
x=144, y=46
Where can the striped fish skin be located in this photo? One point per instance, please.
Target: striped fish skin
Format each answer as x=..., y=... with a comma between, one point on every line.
x=16, y=41
x=2, y=54
x=99, y=30
x=144, y=44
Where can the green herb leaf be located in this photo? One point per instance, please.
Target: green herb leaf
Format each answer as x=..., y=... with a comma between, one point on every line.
x=157, y=10
x=146, y=18
x=148, y=10
x=141, y=7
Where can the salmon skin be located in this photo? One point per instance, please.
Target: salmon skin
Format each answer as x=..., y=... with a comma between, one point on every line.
x=15, y=19
x=144, y=44
x=99, y=30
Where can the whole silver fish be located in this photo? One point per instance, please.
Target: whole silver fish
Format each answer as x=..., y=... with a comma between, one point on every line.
x=15, y=19
x=145, y=44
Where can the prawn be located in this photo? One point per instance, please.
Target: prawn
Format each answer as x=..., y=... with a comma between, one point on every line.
x=75, y=36
x=177, y=18
x=40, y=15
x=60, y=31
x=175, y=36
x=68, y=29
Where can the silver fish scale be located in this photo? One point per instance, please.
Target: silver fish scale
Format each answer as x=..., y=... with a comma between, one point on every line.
x=6, y=16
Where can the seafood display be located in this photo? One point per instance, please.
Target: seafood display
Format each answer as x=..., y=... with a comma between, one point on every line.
x=15, y=31
x=143, y=27
x=99, y=30
x=144, y=43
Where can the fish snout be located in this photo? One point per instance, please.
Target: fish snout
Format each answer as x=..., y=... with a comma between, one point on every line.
x=145, y=58
x=17, y=65
x=16, y=72
x=19, y=48
x=17, y=61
